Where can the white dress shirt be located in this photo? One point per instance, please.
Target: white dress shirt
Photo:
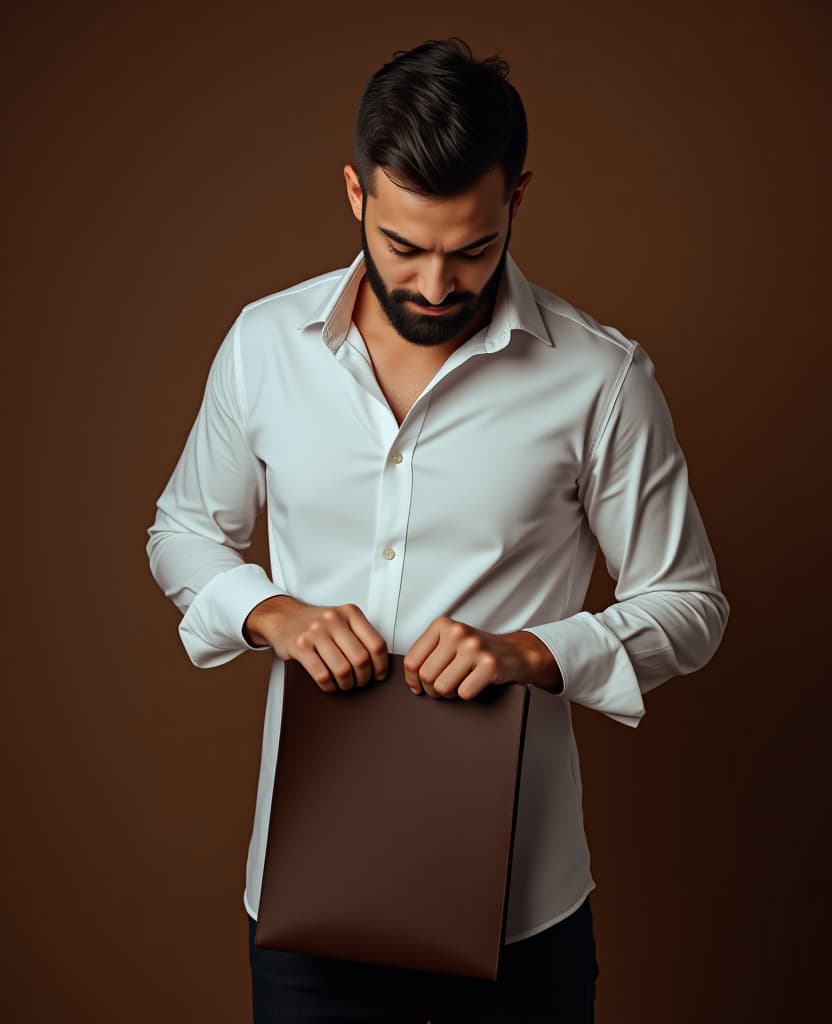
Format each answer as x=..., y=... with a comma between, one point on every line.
x=542, y=436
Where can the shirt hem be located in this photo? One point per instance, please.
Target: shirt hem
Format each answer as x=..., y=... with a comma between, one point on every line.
x=515, y=938
x=554, y=920
x=249, y=911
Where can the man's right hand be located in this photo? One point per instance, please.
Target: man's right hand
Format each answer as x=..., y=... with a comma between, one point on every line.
x=336, y=645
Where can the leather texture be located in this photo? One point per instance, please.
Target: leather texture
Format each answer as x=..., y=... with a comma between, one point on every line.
x=392, y=824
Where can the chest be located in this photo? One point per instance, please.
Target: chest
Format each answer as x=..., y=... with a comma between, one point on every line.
x=401, y=379
x=402, y=390
x=474, y=453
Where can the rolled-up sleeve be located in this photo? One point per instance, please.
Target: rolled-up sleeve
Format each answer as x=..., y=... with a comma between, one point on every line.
x=205, y=517
x=670, y=612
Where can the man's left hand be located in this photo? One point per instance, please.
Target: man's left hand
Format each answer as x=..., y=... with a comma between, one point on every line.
x=452, y=659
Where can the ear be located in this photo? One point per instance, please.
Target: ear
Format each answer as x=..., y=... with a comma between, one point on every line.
x=517, y=198
x=354, y=194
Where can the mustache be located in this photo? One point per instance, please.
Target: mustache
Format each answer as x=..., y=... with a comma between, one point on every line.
x=418, y=301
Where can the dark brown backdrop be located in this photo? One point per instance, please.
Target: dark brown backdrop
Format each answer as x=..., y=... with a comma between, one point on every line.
x=165, y=166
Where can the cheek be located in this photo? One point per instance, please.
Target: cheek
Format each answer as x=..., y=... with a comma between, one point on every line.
x=397, y=272
x=476, y=278
x=391, y=269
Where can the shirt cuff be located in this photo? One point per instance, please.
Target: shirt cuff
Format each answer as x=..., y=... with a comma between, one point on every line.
x=594, y=665
x=212, y=627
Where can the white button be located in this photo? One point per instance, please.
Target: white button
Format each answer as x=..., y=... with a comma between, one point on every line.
x=389, y=553
x=396, y=457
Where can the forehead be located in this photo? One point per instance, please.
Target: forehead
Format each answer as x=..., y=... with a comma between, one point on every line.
x=410, y=214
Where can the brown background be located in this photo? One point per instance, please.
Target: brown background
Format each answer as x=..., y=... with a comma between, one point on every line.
x=166, y=166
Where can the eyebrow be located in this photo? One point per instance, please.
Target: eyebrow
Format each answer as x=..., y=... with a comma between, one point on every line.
x=471, y=245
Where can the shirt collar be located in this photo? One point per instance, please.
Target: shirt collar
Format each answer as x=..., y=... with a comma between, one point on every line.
x=515, y=308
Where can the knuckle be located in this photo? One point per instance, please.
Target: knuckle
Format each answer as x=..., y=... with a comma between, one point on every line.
x=458, y=629
x=377, y=646
x=471, y=643
x=489, y=661
x=410, y=664
x=330, y=615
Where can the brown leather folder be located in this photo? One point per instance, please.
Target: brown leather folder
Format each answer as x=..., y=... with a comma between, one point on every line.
x=392, y=824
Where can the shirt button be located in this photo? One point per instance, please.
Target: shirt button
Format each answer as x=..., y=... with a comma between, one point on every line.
x=396, y=457
x=389, y=553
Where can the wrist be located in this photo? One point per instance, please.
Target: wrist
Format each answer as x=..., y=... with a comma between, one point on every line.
x=261, y=619
x=541, y=667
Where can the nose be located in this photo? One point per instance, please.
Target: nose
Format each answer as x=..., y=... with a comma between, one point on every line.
x=436, y=281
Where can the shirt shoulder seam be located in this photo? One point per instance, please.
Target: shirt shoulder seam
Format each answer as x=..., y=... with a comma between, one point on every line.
x=540, y=296
x=239, y=377
x=612, y=397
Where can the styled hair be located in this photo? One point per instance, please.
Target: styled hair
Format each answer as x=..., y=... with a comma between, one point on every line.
x=435, y=119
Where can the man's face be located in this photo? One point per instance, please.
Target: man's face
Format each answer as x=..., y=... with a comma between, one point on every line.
x=429, y=252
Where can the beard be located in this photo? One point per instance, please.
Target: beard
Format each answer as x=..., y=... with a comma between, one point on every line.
x=431, y=329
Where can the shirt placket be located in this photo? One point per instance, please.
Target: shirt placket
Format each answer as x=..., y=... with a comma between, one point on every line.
x=395, y=490
x=395, y=493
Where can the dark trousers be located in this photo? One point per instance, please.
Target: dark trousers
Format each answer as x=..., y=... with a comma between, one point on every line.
x=549, y=978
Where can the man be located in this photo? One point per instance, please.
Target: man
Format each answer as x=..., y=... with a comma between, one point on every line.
x=440, y=446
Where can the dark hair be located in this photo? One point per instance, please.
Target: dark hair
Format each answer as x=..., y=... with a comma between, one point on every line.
x=436, y=120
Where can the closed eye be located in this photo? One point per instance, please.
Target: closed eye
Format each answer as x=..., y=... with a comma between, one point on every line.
x=462, y=255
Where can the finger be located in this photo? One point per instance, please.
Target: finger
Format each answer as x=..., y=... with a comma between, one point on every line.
x=339, y=665
x=473, y=685
x=373, y=642
x=416, y=655
x=449, y=680
x=450, y=636
x=333, y=624
x=311, y=661
x=480, y=677
x=355, y=652
x=444, y=670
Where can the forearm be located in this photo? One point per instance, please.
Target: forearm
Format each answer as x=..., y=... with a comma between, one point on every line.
x=182, y=563
x=610, y=659
x=667, y=633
